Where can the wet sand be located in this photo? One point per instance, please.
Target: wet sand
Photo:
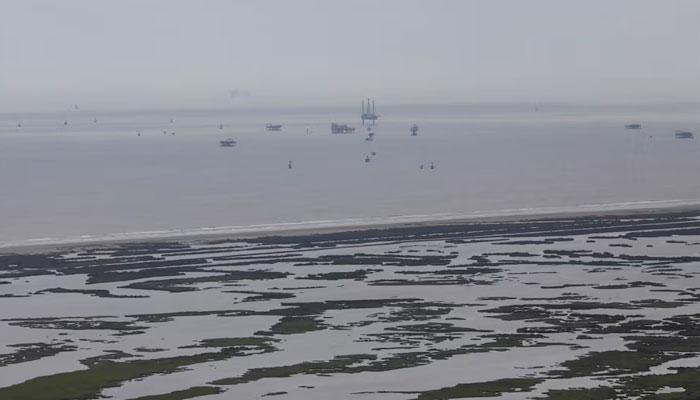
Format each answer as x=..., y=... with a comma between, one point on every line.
x=651, y=210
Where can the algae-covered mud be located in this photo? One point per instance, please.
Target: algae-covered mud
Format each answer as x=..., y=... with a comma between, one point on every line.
x=588, y=307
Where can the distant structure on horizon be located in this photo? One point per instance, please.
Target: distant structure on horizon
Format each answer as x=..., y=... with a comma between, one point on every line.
x=368, y=114
x=271, y=127
x=633, y=126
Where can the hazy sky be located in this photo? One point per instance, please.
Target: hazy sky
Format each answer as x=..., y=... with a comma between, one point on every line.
x=171, y=53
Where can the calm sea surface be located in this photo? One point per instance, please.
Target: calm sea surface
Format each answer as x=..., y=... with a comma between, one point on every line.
x=97, y=178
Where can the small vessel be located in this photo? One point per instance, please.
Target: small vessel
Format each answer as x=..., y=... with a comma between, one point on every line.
x=290, y=165
x=221, y=126
x=341, y=128
x=374, y=153
x=684, y=135
x=369, y=139
x=227, y=143
x=94, y=121
x=432, y=166
x=65, y=122
x=371, y=134
x=421, y=166
x=165, y=132
x=173, y=133
x=271, y=127
x=633, y=126
x=139, y=134
x=367, y=159
x=172, y=120
x=19, y=124
x=414, y=130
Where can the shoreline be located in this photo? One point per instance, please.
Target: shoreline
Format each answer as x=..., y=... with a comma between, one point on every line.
x=194, y=236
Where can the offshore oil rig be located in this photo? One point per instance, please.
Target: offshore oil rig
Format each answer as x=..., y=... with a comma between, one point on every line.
x=367, y=114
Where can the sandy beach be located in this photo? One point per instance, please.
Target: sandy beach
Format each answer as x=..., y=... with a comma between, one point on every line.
x=358, y=226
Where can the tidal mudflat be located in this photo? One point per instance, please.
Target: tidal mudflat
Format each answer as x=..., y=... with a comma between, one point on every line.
x=557, y=307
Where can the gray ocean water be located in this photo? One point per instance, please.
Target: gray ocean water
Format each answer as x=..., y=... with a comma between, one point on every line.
x=97, y=178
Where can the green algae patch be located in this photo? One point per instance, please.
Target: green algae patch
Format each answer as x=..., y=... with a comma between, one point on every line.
x=336, y=365
x=75, y=324
x=293, y=325
x=614, y=362
x=257, y=343
x=685, y=381
x=33, y=351
x=102, y=373
x=242, y=341
x=597, y=393
x=647, y=386
x=357, y=363
x=192, y=392
x=481, y=389
x=664, y=343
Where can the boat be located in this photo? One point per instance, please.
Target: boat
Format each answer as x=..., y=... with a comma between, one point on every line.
x=341, y=128
x=227, y=143
x=684, y=135
x=367, y=159
x=271, y=127
x=633, y=126
x=414, y=130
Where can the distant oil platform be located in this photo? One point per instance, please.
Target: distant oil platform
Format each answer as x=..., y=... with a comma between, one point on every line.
x=367, y=114
x=272, y=127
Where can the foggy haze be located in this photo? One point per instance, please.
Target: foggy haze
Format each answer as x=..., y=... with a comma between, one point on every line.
x=160, y=54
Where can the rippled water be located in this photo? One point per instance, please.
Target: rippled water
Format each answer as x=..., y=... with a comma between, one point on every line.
x=97, y=178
